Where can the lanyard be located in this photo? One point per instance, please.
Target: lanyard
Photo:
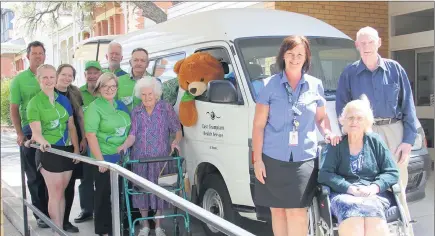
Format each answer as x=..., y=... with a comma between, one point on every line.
x=296, y=111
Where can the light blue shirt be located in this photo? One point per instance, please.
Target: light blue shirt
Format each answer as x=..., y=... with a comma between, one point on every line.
x=387, y=89
x=280, y=120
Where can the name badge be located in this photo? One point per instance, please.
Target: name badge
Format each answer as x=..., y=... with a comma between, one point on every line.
x=293, y=138
x=296, y=110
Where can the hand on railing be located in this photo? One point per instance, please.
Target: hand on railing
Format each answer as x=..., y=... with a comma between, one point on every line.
x=28, y=142
x=102, y=169
x=44, y=146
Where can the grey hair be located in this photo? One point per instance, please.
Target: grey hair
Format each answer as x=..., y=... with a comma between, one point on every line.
x=113, y=43
x=363, y=105
x=367, y=31
x=148, y=82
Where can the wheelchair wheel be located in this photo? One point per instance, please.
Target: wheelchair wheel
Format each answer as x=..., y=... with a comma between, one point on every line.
x=314, y=219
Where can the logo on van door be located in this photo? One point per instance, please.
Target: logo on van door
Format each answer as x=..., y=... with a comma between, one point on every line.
x=213, y=115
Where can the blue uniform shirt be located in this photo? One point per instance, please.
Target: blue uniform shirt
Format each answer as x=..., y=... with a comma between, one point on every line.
x=280, y=120
x=387, y=88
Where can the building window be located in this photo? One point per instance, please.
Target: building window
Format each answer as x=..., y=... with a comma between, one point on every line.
x=428, y=125
x=406, y=59
x=425, y=78
x=415, y=22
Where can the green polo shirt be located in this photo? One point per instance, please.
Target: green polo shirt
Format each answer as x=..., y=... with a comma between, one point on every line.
x=111, y=124
x=53, y=117
x=118, y=72
x=23, y=87
x=87, y=96
x=126, y=92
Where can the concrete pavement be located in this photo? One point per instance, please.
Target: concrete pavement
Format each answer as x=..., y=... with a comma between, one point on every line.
x=7, y=228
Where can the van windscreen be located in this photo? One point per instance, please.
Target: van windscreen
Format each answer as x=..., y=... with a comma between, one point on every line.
x=329, y=56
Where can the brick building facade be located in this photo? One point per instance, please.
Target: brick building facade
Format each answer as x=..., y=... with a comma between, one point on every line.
x=348, y=17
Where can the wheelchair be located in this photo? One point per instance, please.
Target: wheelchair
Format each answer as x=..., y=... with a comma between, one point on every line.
x=325, y=224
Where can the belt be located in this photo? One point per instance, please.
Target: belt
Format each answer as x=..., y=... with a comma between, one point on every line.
x=385, y=121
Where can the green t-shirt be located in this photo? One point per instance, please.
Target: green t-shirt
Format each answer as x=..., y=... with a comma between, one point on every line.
x=110, y=123
x=53, y=117
x=23, y=87
x=86, y=96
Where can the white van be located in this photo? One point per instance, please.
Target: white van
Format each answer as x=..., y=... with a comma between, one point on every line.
x=218, y=148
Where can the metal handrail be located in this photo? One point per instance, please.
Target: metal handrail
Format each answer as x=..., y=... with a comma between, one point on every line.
x=115, y=170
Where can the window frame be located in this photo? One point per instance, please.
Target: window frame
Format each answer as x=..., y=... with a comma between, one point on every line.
x=203, y=97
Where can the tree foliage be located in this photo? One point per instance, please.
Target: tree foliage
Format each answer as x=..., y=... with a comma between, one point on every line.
x=35, y=16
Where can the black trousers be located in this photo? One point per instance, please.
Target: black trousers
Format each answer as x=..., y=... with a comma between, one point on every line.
x=86, y=188
x=102, y=203
x=35, y=181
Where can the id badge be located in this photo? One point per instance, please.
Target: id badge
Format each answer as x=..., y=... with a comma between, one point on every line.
x=293, y=138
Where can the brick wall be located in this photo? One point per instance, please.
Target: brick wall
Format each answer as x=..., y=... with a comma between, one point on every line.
x=348, y=17
x=7, y=66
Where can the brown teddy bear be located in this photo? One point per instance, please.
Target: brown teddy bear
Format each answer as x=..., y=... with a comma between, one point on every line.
x=194, y=73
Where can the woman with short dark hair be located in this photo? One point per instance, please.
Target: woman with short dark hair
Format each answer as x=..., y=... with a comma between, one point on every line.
x=284, y=138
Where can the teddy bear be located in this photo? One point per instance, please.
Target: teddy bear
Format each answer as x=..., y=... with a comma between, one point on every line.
x=194, y=73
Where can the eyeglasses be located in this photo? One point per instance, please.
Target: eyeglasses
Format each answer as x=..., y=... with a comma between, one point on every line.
x=353, y=118
x=111, y=87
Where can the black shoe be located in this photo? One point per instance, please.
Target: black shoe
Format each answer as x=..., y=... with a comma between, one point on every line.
x=83, y=216
x=68, y=227
x=41, y=224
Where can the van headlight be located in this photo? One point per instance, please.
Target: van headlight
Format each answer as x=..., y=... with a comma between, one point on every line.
x=419, y=140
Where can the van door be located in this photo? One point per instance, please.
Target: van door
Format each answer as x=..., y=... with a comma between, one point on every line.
x=219, y=140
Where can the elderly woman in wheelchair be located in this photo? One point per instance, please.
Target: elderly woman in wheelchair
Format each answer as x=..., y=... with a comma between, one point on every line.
x=359, y=172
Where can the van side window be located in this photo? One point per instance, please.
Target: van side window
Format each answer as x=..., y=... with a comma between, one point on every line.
x=164, y=71
x=222, y=55
x=150, y=68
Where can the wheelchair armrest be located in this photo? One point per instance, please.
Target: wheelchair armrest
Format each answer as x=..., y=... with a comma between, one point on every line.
x=396, y=188
x=325, y=190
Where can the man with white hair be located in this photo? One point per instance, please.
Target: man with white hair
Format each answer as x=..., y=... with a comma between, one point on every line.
x=386, y=84
x=114, y=58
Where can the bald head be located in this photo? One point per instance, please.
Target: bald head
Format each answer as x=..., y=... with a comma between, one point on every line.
x=114, y=55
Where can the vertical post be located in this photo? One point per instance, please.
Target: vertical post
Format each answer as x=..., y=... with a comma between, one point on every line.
x=114, y=185
x=24, y=193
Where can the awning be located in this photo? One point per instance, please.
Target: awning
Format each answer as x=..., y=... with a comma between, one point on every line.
x=8, y=48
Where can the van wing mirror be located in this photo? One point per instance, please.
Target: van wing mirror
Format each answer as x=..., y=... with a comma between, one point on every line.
x=221, y=91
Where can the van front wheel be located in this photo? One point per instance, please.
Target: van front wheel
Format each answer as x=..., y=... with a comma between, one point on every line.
x=215, y=198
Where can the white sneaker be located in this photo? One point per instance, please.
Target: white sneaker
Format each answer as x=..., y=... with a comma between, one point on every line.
x=160, y=232
x=145, y=231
